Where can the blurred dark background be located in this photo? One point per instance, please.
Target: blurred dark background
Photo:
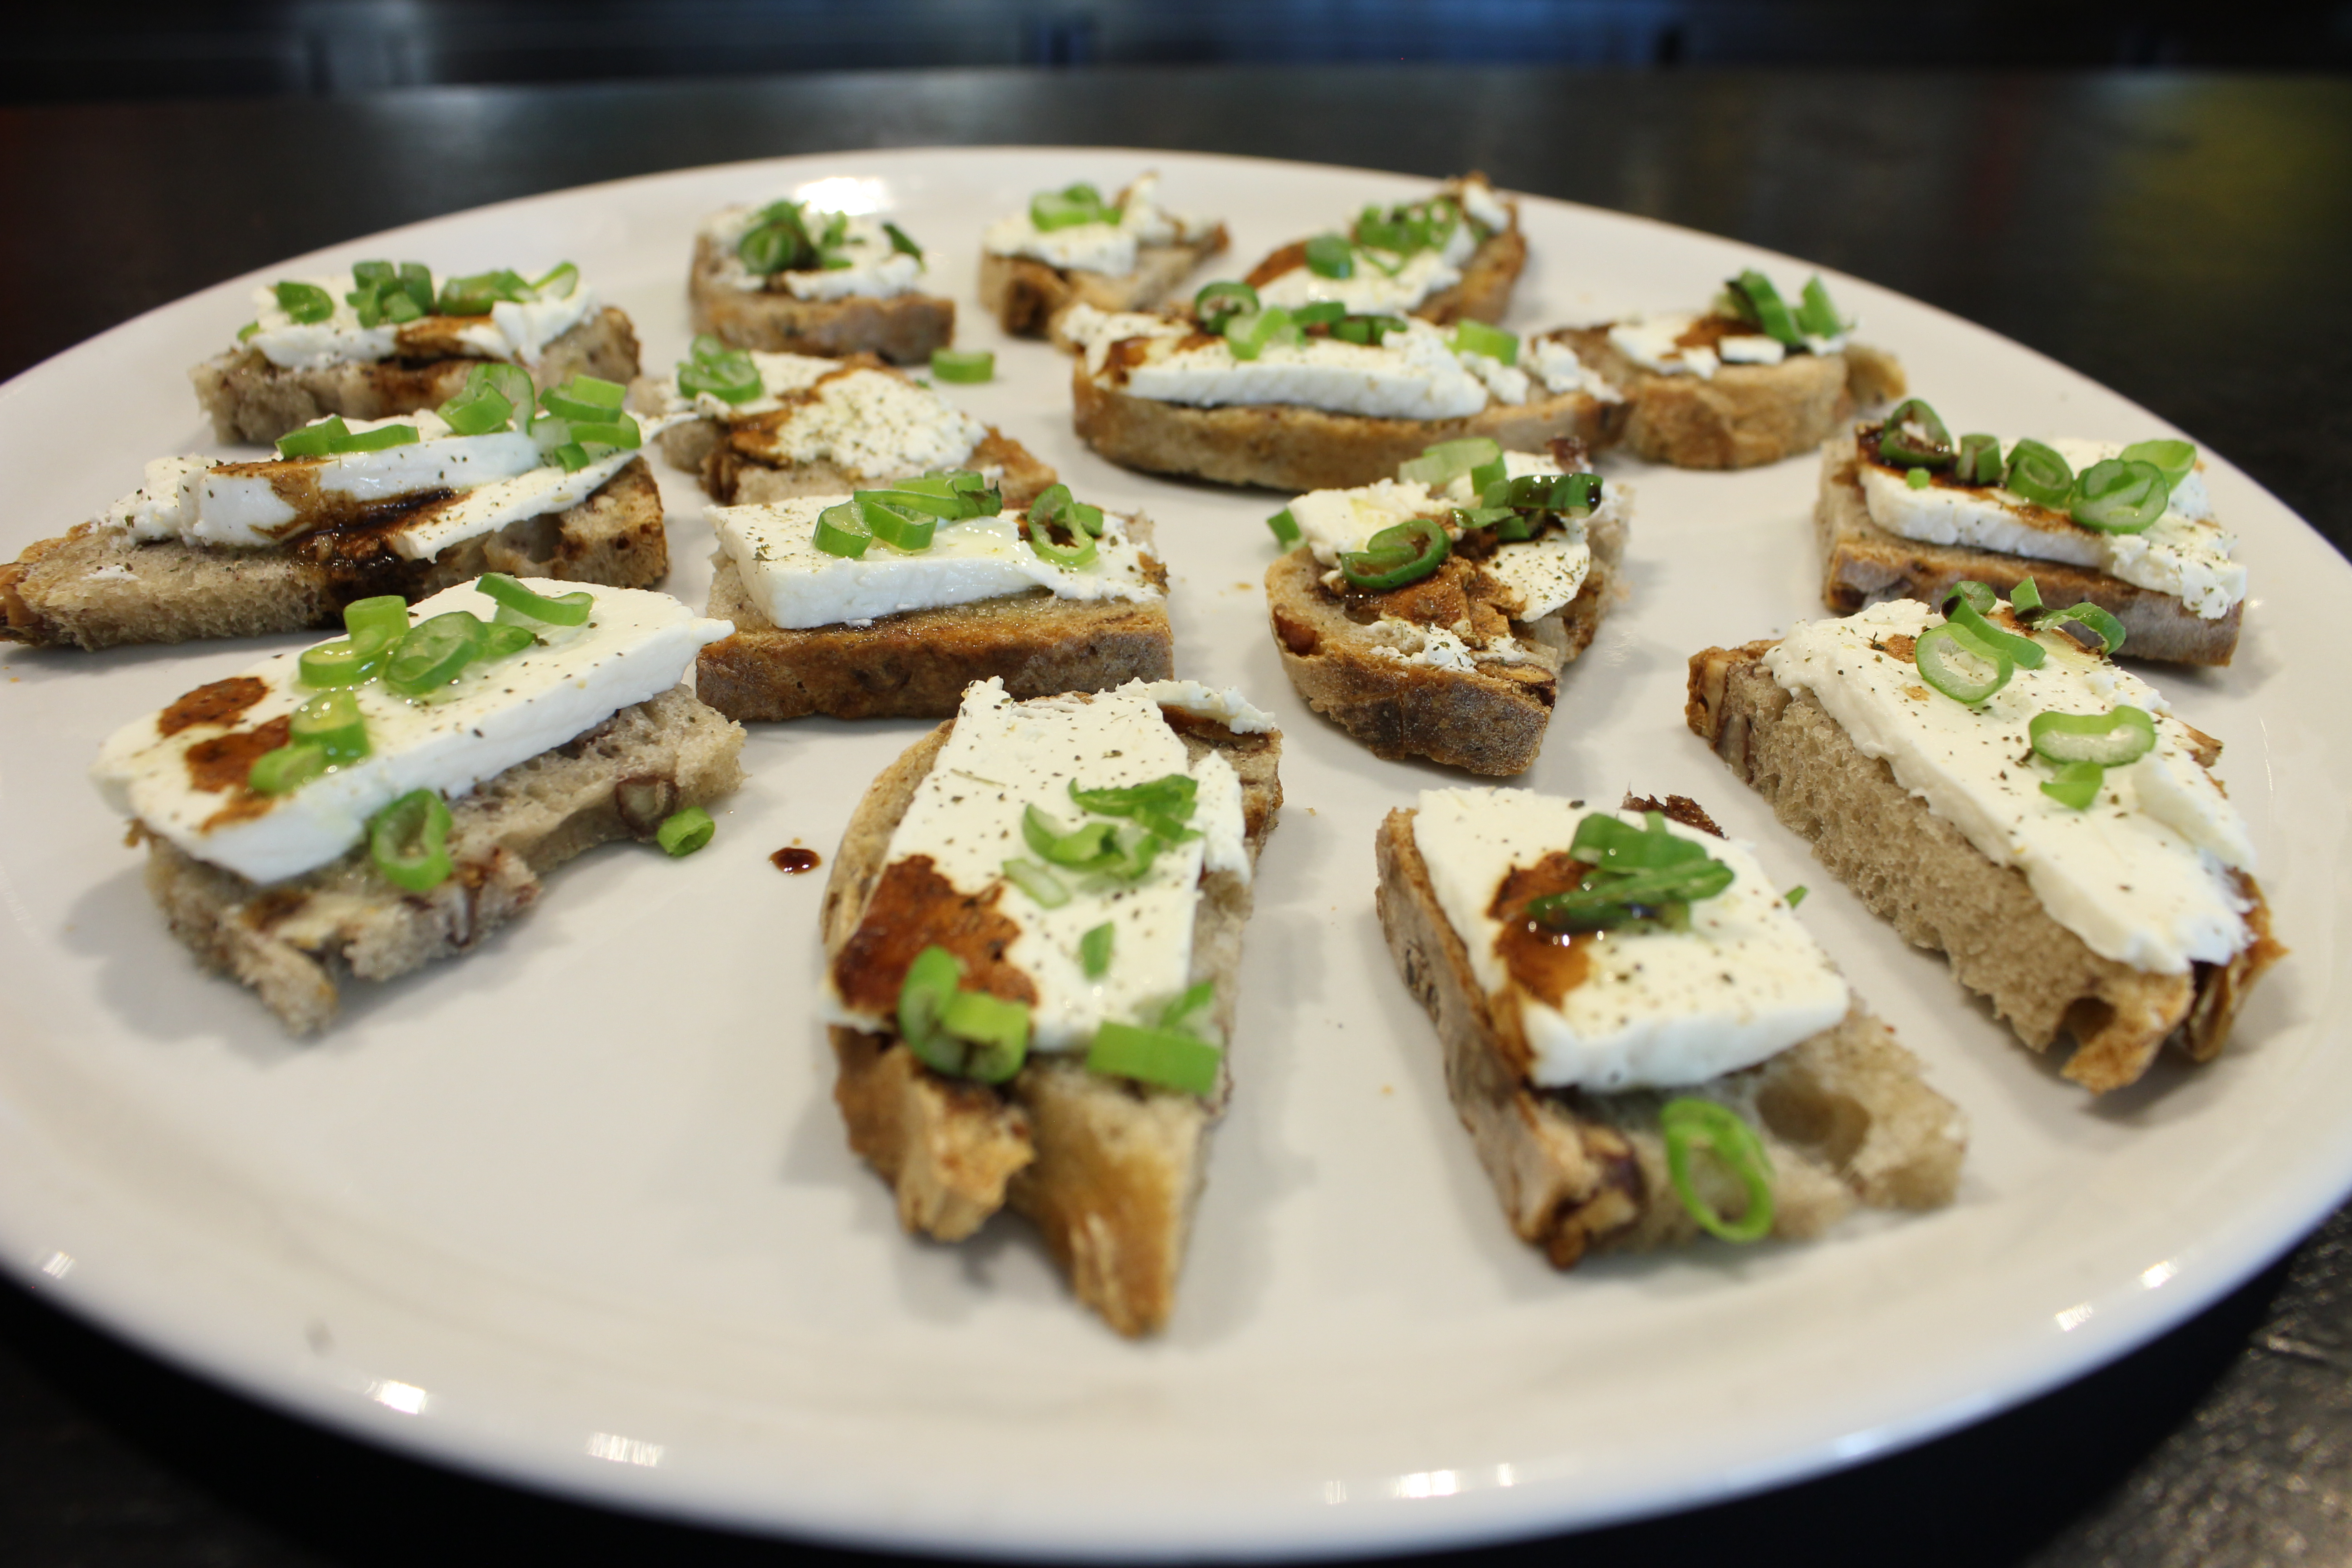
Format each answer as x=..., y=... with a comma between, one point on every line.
x=324, y=47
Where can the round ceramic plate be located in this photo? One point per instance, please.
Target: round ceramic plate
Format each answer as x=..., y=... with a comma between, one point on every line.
x=576, y=1210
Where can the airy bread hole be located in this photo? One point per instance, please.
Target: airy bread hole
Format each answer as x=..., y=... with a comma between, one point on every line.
x=2087, y=1018
x=1830, y=1127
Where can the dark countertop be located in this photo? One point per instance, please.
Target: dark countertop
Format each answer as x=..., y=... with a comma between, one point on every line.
x=2183, y=239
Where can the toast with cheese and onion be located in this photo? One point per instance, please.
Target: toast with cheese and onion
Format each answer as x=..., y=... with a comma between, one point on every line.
x=788, y=277
x=1071, y=248
x=1452, y=256
x=888, y=602
x=2086, y=520
x=1642, y=1040
x=2040, y=817
x=382, y=340
x=1455, y=653
x=757, y=426
x=314, y=819
x=1032, y=937
x=1323, y=402
x=206, y=549
x=1749, y=381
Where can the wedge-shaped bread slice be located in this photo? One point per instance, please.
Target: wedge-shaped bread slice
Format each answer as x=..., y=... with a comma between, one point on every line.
x=1108, y=1168
x=99, y=586
x=916, y=664
x=1449, y=668
x=1863, y=564
x=1920, y=871
x=1483, y=272
x=830, y=426
x=1296, y=446
x=903, y=328
x=1845, y=1114
x=1028, y=296
x=250, y=399
x=1741, y=416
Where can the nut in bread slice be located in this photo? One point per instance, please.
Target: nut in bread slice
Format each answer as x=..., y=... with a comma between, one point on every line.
x=1863, y=564
x=1920, y=871
x=1108, y=1168
x=250, y=399
x=1845, y=1114
x=99, y=586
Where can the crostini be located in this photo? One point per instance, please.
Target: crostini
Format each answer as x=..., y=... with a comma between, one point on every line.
x=365, y=806
x=1033, y=935
x=1453, y=255
x=789, y=278
x=1072, y=247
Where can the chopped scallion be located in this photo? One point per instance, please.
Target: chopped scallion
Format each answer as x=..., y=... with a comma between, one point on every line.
x=963, y=366
x=1691, y=1125
x=1331, y=256
x=305, y=303
x=2076, y=785
x=1094, y=950
x=841, y=530
x=1914, y=437
x=331, y=721
x=2117, y=496
x=1166, y=1057
x=285, y=769
x=2038, y=474
x=684, y=831
x=2112, y=738
x=409, y=841
x=563, y=610
x=1039, y=882
x=1477, y=338
x=1286, y=529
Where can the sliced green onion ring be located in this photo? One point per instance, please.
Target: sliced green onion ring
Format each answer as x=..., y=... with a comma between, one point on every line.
x=1691, y=1125
x=1794, y=896
x=566, y=610
x=1980, y=460
x=1216, y=302
x=685, y=830
x=2038, y=474
x=433, y=653
x=1937, y=656
x=1449, y=460
x=1918, y=478
x=2117, y=496
x=305, y=303
x=1094, y=950
x=2112, y=738
x=841, y=530
x=1477, y=338
x=2076, y=785
x=2025, y=598
x=285, y=769
x=331, y=721
x=1251, y=334
x=1167, y=1058
x=1331, y=256
x=923, y=995
x=1816, y=317
x=1377, y=566
x=900, y=242
x=2174, y=459
x=2099, y=622
x=1914, y=437
x=315, y=439
x=1767, y=308
x=1960, y=609
x=902, y=529
x=1090, y=847
x=1040, y=883
x=996, y=1032
x=409, y=841
x=963, y=366
x=503, y=639
x=1171, y=796
x=1286, y=529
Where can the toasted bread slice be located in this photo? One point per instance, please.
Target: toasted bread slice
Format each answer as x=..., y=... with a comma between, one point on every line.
x=1745, y=415
x=1484, y=293
x=915, y=665
x=903, y=329
x=99, y=587
x=1490, y=720
x=293, y=942
x=1845, y=1114
x=1108, y=1169
x=1287, y=446
x=1028, y=297
x=250, y=399
x=1863, y=564
x=1920, y=871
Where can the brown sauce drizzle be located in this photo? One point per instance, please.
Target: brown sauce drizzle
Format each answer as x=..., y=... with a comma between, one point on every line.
x=914, y=907
x=223, y=762
x=1547, y=964
x=792, y=859
x=1289, y=258
x=218, y=703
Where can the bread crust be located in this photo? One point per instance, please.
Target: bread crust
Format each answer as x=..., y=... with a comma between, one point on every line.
x=1029, y=297
x=1920, y=872
x=1845, y=1114
x=169, y=591
x=1490, y=721
x=294, y=940
x=250, y=399
x=1745, y=415
x=1863, y=564
x=1290, y=447
x=1107, y=1169
x=915, y=665
x=903, y=329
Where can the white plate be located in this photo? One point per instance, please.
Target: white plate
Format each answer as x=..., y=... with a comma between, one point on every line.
x=577, y=1209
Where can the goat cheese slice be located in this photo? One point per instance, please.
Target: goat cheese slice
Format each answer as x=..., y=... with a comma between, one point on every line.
x=1410, y=375
x=773, y=547
x=2185, y=554
x=168, y=774
x=1654, y=1009
x=1004, y=757
x=519, y=331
